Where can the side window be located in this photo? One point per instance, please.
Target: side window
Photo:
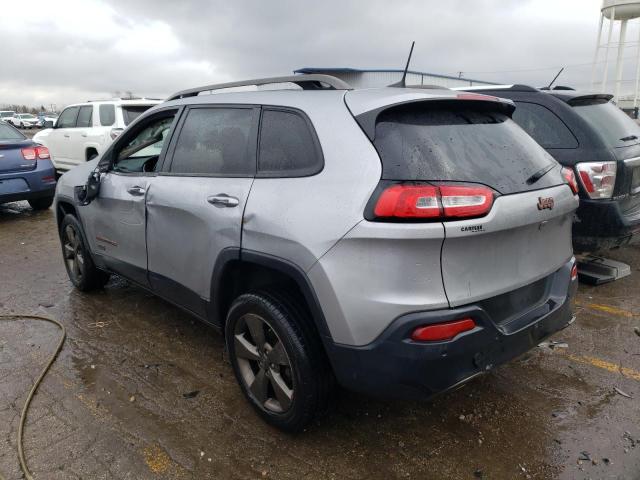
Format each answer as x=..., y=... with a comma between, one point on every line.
x=85, y=116
x=288, y=148
x=544, y=126
x=67, y=118
x=215, y=141
x=141, y=152
x=107, y=114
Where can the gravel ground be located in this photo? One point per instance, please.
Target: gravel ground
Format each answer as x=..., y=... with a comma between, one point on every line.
x=113, y=406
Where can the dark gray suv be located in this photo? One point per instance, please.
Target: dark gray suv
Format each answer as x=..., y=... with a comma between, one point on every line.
x=401, y=241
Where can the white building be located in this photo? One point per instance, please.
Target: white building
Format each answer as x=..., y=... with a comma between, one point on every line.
x=367, y=78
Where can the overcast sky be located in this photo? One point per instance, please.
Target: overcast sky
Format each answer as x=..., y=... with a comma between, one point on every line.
x=66, y=51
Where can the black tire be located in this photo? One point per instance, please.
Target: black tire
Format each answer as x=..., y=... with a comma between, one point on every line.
x=308, y=373
x=82, y=272
x=41, y=203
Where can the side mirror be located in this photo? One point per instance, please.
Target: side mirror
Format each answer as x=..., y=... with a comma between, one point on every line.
x=90, y=190
x=48, y=124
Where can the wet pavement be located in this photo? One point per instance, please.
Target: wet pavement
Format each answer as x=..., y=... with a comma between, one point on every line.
x=114, y=406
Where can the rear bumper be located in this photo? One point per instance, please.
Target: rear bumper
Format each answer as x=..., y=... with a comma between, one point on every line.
x=394, y=366
x=33, y=184
x=603, y=224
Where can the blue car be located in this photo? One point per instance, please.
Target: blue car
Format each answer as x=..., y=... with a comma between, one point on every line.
x=26, y=171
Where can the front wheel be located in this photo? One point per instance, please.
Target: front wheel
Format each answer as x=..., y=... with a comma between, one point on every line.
x=278, y=360
x=82, y=272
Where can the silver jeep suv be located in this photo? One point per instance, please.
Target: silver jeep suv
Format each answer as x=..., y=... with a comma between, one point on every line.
x=400, y=241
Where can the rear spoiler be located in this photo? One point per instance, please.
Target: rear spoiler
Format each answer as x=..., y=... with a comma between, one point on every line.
x=367, y=120
x=590, y=98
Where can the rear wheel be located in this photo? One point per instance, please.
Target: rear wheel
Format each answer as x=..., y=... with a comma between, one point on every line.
x=280, y=365
x=82, y=272
x=41, y=203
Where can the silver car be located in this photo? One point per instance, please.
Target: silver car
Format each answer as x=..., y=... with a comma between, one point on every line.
x=398, y=241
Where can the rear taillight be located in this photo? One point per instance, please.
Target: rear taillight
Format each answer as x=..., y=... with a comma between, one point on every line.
x=33, y=153
x=426, y=201
x=28, y=153
x=597, y=178
x=115, y=132
x=42, y=153
x=442, y=331
x=574, y=272
x=570, y=177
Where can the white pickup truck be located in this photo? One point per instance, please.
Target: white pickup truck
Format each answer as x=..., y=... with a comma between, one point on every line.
x=84, y=130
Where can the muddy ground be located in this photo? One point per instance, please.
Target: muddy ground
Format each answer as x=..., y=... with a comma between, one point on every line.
x=114, y=406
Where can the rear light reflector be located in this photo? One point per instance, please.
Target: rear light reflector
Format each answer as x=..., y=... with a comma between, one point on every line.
x=598, y=178
x=574, y=272
x=411, y=201
x=49, y=179
x=570, y=177
x=442, y=331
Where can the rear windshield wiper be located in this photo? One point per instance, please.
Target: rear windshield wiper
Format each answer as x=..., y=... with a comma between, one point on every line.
x=628, y=138
x=540, y=173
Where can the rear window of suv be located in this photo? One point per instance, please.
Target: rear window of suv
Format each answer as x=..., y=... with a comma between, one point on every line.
x=9, y=133
x=131, y=112
x=615, y=127
x=454, y=141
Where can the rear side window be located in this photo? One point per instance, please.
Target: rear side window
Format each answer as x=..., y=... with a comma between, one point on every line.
x=67, y=118
x=288, y=147
x=216, y=141
x=84, y=117
x=544, y=126
x=107, y=115
x=457, y=142
x=131, y=112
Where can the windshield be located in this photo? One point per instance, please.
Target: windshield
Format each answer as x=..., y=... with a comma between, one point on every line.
x=616, y=128
x=9, y=133
x=460, y=143
x=6, y=114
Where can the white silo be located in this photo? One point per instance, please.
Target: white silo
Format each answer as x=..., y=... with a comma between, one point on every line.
x=616, y=12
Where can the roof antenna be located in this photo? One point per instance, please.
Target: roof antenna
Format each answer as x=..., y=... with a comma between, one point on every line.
x=555, y=78
x=401, y=83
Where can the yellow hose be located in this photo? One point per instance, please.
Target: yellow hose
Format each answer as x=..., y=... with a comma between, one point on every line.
x=23, y=414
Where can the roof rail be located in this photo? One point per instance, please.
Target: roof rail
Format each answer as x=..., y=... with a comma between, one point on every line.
x=306, y=82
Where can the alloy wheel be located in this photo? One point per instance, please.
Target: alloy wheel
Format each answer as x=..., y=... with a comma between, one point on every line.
x=263, y=362
x=73, y=253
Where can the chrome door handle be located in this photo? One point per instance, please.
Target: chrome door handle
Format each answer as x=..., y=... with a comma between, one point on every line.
x=223, y=200
x=136, y=191
x=83, y=134
x=66, y=135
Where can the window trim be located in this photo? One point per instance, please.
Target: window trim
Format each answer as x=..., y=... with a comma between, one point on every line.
x=300, y=172
x=577, y=144
x=106, y=163
x=75, y=121
x=253, y=139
